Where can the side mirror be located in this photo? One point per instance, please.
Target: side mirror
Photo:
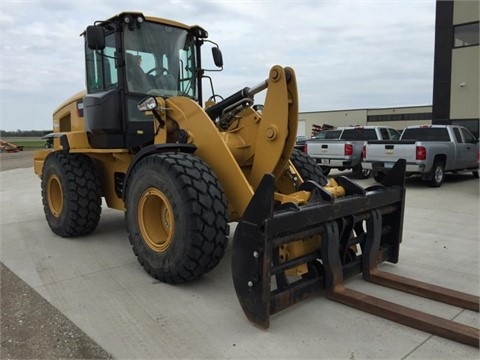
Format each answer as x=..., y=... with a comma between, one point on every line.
x=95, y=37
x=217, y=57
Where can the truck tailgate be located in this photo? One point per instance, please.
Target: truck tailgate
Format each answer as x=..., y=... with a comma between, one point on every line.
x=390, y=151
x=334, y=149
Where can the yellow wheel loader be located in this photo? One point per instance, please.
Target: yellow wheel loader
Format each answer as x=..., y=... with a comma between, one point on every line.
x=181, y=167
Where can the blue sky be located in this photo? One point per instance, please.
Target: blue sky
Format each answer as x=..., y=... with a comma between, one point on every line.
x=346, y=54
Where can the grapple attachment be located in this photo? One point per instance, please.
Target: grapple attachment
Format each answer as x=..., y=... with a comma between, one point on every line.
x=350, y=235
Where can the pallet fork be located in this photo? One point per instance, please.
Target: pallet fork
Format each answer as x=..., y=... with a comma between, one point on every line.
x=375, y=218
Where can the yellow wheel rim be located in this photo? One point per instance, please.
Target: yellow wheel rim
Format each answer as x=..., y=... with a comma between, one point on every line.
x=156, y=221
x=55, y=195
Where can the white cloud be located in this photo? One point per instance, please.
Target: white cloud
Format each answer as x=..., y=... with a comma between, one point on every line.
x=346, y=54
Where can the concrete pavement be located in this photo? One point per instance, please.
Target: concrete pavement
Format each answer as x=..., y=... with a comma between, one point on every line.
x=96, y=282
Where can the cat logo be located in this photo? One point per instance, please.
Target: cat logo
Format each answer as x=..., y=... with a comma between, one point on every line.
x=389, y=151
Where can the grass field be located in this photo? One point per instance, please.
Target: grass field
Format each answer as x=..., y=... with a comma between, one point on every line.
x=28, y=143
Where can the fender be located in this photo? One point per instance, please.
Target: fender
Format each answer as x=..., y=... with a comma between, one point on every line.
x=156, y=149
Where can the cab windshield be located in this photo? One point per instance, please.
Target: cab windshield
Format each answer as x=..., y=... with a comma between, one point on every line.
x=159, y=60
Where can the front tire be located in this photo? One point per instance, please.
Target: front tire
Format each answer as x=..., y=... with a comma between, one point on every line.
x=176, y=215
x=71, y=194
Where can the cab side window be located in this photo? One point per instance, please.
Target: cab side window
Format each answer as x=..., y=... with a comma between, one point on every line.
x=101, y=69
x=468, y=137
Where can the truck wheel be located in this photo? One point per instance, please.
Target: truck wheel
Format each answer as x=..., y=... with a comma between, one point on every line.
x=378, y=176
x=360, y=172
x=176, y=215
x=437, y=174
x=307, y=167
x=71, y=194
x=475, y=173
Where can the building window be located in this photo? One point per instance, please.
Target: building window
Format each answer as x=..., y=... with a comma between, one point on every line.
x=399, y=117
x=466, y=35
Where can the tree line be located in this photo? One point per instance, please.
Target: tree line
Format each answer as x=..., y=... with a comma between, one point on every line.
x=24, y=133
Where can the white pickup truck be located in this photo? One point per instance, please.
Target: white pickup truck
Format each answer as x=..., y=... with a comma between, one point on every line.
x=344, y=151
x=428, y=150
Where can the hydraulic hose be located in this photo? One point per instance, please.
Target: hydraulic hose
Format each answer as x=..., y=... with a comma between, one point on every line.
x=216, y=110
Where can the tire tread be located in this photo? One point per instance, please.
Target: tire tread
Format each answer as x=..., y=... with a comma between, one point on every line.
x=82, y=194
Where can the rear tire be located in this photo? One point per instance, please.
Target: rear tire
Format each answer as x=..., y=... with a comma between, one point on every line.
x=360, y=172
x=475, y=173
x=437, y=174
x=308, y=168
x=176, y=215
x=71, y=194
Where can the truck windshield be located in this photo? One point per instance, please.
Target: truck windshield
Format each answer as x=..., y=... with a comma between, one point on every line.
x=426, y=134
x=160, y=60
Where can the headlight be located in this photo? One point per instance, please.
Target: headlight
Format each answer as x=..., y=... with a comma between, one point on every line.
x=147, y=104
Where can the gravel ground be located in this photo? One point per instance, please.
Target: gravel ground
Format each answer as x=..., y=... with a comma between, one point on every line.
x=31, y=328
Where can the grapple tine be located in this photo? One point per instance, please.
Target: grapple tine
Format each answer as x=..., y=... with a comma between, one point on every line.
x=371, y=257
x=386, y=309
x=410, y=317
x=430, y=291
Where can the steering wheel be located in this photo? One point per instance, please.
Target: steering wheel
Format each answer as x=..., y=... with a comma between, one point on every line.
x=161, y=68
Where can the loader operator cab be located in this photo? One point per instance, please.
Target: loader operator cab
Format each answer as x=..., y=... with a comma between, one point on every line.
x=129, y=57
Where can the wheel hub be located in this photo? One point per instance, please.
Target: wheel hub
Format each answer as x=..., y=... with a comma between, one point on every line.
x=55, y=195
x=156, y=221
x=438, y=174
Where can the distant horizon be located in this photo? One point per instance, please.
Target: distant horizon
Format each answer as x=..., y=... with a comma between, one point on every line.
x=41, y=132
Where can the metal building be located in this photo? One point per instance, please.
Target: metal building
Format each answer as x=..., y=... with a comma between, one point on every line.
x=456, y=64
x=396, y=117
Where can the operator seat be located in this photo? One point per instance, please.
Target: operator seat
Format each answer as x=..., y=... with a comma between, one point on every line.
x=136, y=78
x=166, y=81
